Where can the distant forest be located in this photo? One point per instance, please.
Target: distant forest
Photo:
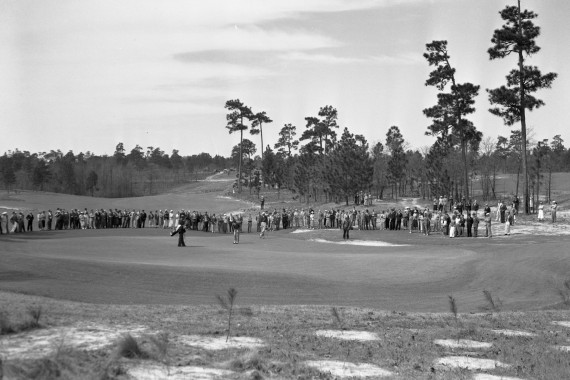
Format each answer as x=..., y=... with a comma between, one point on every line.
x=315, y=172
x=123, y=174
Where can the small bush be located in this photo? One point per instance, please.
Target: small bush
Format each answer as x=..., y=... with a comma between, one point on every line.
x=6, y=326
x=128, y=347
x=249, y=361
x=228, y=305
x=161, y=343
x=35, y=313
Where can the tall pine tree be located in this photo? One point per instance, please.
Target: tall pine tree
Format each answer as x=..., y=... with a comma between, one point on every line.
x=238, y=112
x=449, y=122
x=517, y=36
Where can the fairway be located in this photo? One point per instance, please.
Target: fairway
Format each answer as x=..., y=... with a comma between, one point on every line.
x=410, y=272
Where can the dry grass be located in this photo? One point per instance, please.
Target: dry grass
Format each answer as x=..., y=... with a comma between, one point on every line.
x=128, y=347
x=493, y=304
x=12, y=324
x=405, y=346
x=565, y=293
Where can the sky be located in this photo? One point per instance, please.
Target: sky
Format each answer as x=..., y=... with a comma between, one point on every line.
x=86, y=75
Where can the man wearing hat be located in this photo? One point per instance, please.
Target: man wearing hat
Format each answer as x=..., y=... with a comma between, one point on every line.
x=180, y=230
x=553, y=208
x=488, y=231
x=487, y=209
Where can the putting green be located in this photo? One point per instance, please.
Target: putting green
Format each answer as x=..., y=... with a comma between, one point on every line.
x=145, y=266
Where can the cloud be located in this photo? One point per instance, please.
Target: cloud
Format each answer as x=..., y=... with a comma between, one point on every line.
x=340, y=60
x=252, y=38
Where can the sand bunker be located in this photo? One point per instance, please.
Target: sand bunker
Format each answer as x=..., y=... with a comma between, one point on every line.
x=301, y=231
x=367, y=243
x=345, y=369
x=219, y=343
x=466, y=362
x=40, y=343
x=462, y=343
x=151, y=371
x=485, y=376
x=360, y=336
x=513, y=333
x=562, y=323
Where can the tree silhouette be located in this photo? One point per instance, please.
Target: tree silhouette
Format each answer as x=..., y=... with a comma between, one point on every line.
x=517, y=36
x=320, y=130
x=449, y=113
x=397, y=161
x=257, y=126
x=349, y=166
x=287, y=140
x=235, y=118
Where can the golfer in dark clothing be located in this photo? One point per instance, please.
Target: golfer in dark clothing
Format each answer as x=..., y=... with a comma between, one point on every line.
x=180, y=230
x=345, y=227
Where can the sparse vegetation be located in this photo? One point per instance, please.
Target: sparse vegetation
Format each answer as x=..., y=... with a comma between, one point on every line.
x=228, y=304
x=161, y=343
x=128, y=347
x=35, y=312
x=493, y=304
x=565, y=293
x=406, y=344
x=8, y=326
x=65, y=363
x=337, y=318
x=453, y=308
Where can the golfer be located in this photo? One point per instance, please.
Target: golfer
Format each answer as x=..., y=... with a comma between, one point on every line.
x=180, y=230
x=345, y=227
x=236, y=226
x=263, y=220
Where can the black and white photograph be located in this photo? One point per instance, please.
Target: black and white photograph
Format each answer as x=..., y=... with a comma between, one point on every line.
x=258, y=190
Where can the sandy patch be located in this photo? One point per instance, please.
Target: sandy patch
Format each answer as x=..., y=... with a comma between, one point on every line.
x=513, y=333
x=367, y=243
x=226, y=197
x=360, y=336
x=562, y=323
x=344, y=369
x=40, y=343
x=468, y=363
x=301, y=231
x=219, y=343
x=462, y=343
x=485, y=376
x=151, y=371
x=563, y=348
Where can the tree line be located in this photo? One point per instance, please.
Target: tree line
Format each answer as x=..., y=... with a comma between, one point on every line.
x=124, y=174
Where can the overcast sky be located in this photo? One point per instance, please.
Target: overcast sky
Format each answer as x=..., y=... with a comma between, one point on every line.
x=86, y=75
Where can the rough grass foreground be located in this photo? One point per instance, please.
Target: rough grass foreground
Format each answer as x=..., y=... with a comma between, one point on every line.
x=408, y=345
